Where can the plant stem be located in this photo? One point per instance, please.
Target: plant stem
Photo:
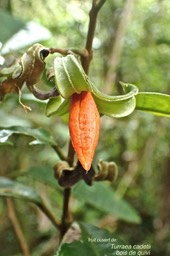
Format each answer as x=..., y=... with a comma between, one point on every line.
x=59, y=152
x=67, y=51
x=43, y=207
x=86, y=58
x=71, y=153
x=65, y=220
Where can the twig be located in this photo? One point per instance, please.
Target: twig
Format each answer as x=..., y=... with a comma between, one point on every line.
x=65, y=220
x=43, y=95
x=59, y=152
x=43, y=207
x=16, y=225
x=85, y=60
x=67, y=51
x=71, y=153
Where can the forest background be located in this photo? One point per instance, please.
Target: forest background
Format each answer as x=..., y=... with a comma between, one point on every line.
x=131, y=44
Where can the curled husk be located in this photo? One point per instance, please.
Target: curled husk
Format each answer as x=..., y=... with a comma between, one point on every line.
x=106, y=171
x=70, y=78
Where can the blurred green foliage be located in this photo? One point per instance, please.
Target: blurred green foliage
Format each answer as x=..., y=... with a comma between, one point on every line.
x=139, y=144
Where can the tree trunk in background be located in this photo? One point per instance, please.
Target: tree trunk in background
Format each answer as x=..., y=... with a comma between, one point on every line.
x=117, y=47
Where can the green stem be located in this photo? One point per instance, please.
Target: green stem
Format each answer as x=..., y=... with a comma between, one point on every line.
x=43, y=207
x=59, y=152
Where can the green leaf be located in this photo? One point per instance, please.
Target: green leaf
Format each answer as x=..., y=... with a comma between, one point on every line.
x=57, y=106
x=9, y=26
x=155, y=103
x=40, y=135
x=44, y=174
x=105, y=199
x=14, y=189
x=89, y=240
x=69, y=76
x=116, y=106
